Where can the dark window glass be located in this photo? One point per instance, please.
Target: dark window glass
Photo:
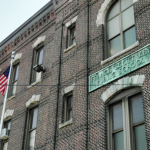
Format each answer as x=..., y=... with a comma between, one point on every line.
x=118, y=141
x=13, y=80
x=16, y=72
x=32, y=127
x=140, y=137
x=38, y=60
x=72, y=35
x=129, y=37
x=128, y=18
x=34, y=114
x=40, y=57
x=117, y=116
x=7, y=125
x=69, y=107
x=117, y=126
x=136, y=106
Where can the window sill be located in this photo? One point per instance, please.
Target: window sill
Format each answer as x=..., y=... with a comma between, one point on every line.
x=28, y=87
x=120, y=53
x=66, y=124
x=10, y=98
x=69, y=48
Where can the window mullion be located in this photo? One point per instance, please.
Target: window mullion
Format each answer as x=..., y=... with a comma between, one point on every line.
x=111, y=129
x=132, y=140
x=128, y=127
x=124, y=123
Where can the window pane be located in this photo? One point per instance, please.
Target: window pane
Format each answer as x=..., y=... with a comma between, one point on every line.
x=140, y=137
x=126, y=3
x=69, y=101
x=32, y=140
x=113, y=27
x=117, y=116
x=128, y=18
x=14, y=88
x=118, y=141
x=5, y=146
x=115, y=46
x=9, y=124
x=40, y=57
x=113, y=11
x=73, y=33
x=34, y=119
x=70, y=114
x=129, y=37
x=17, y=71
x=73, y=41
x=137, y=108
x=72, y=36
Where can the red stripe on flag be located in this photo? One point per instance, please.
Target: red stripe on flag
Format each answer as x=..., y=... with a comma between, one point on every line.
x=3, y=84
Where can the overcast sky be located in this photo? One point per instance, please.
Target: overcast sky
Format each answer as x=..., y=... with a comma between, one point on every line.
x=13, y=13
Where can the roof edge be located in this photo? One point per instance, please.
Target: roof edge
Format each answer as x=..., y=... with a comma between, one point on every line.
x=26, y=22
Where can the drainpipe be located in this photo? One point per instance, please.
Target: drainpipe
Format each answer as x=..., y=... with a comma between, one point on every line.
x=87, y=71
x=59, y=77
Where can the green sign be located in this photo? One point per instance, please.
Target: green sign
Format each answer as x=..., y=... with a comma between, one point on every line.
x=120, y=68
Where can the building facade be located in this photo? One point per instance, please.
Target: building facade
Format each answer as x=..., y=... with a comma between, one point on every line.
x=80, y=77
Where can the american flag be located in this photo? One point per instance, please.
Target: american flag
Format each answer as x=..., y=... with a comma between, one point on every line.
x=4, y=80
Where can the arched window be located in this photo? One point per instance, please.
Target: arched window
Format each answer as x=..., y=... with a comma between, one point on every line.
x=120, y=27
x=126, y=130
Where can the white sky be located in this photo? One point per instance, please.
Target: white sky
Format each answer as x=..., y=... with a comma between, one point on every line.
x=13, y=13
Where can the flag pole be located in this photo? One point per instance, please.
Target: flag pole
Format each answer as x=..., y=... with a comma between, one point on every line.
x=5, y=98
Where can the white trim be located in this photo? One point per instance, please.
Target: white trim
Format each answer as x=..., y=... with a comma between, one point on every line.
x=8, y=114
x=69, y=48
x=17, y=58
x=39, y=41
x=65, y=124
x=68, y=89
x=10, y=98
x=120, y=53
x=134, y=1
x=123, y=83
x=33, y=100
x=34, y=83
x=102, y=12
x=69, y=23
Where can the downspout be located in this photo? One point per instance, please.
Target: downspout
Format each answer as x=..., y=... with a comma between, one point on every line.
x=87, y=73
x=25, y=130
x=59, y=77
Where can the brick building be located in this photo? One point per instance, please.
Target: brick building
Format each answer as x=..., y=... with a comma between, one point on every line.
x=80, y=77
